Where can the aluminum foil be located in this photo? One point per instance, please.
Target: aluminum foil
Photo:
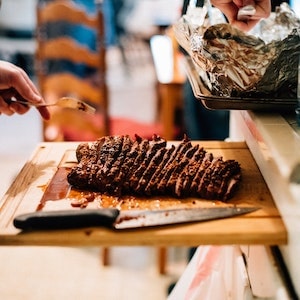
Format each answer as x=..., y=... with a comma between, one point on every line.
x=262, y=63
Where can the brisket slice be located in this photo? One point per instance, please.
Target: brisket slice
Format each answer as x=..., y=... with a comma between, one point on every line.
x=87, y=156
x=201, y=168
x=154, y=146
x=149, y=171
x=141, y=154
x=117, y=165
x=82, y=151
x=150, y=188
x=107, y=153
x=161, y=187
x=118, y=184
x=112, y=171
x=185, y=178
x=178, y=169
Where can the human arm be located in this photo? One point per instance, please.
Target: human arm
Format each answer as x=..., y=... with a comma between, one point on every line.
x=14, y=82
x=230, y=9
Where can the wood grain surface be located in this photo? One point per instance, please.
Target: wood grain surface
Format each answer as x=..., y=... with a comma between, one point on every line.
x=43, y=178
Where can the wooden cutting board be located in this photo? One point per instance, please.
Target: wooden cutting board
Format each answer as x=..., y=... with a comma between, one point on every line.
x=42, y=185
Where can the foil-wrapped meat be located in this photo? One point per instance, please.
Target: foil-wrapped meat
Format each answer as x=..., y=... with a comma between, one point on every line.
x=234, y=63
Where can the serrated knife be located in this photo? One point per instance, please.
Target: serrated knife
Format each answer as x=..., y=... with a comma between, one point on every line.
x=116, y=219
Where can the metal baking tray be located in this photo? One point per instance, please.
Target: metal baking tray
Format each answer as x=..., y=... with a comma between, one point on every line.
x=233, y=103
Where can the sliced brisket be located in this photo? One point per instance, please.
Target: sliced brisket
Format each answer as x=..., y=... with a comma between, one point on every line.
x=117, y=165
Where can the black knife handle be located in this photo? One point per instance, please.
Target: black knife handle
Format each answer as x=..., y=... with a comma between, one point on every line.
x=67, y=219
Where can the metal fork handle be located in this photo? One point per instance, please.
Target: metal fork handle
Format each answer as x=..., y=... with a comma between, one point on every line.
x=32, y=104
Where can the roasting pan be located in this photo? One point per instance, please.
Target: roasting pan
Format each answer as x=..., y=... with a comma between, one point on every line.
x=233, y=103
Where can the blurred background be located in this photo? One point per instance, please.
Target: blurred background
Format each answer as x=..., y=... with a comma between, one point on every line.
x=135, y=97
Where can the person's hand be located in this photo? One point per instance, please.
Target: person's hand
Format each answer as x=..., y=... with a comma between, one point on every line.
x=230, y=9
x=15, y=83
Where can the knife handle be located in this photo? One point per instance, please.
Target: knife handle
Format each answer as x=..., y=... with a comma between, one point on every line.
x=67, y=219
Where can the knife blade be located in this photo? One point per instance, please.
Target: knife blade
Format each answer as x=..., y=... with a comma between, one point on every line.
x=115, y=219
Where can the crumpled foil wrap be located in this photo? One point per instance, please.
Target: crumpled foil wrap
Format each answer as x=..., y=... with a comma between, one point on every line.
x=231, y=63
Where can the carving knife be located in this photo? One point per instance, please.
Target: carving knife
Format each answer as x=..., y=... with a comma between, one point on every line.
x=127, y=219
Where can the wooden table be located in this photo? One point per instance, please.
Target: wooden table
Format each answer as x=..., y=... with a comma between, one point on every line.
x=263, y=227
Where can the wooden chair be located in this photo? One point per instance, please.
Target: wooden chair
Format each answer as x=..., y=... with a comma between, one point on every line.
x=56, y=47
x=65, y=66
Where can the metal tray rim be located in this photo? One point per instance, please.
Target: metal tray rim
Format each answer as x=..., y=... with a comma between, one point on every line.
x=234, y=103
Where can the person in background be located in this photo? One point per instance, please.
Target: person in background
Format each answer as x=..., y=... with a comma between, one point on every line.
x=201, y=123
x=15, y=83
